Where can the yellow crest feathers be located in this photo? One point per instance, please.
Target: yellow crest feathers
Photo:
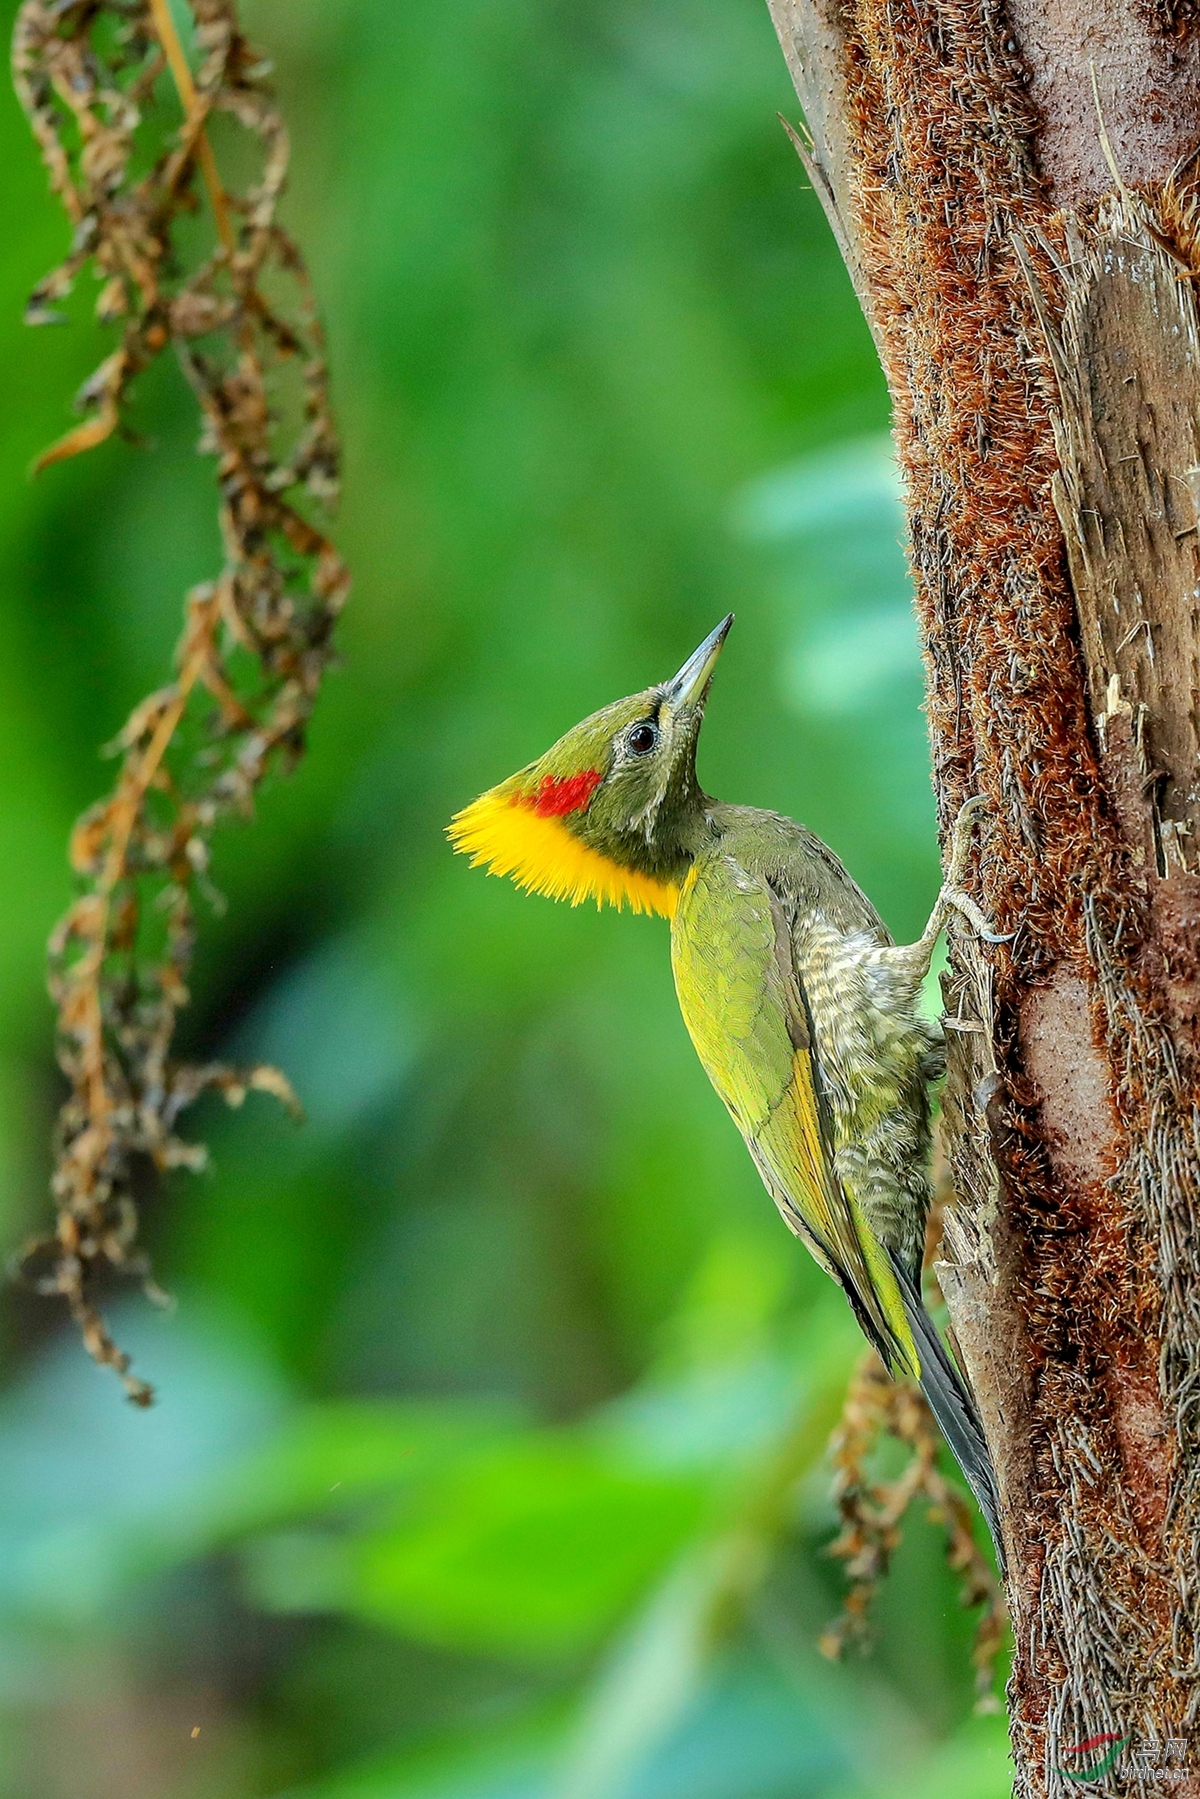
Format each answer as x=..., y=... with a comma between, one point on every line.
x=505, y=831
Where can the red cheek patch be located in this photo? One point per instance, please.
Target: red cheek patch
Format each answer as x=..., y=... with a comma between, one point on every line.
x=555, y=798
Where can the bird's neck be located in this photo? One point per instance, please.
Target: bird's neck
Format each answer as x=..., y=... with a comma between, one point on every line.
x=682, y=831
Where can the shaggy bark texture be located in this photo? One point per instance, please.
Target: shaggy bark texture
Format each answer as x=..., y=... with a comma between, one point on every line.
x=1012, y=192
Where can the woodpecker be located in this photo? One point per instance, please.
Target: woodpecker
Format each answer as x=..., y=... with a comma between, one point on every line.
x=801, y=1008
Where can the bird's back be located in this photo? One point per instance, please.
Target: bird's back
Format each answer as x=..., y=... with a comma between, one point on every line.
x=796, y=862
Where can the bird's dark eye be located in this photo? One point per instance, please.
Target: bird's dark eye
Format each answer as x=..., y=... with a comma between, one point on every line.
x=643, y=738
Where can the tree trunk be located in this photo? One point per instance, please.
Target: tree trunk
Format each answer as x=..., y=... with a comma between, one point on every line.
x=1013, y=194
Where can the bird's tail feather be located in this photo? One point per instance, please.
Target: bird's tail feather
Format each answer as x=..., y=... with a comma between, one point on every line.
x=951, y=1403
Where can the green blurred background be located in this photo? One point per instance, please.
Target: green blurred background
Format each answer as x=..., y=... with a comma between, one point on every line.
x=487, y=1462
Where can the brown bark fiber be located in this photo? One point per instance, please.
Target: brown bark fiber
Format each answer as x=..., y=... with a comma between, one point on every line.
x=1027, y=273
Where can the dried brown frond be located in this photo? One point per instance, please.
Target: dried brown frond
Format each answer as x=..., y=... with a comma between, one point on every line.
x=872, y=1514
x=103, y=83
x=1171, y=18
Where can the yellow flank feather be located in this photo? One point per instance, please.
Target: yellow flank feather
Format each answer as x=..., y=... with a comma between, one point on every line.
x=887, y=1292
x=543, y=855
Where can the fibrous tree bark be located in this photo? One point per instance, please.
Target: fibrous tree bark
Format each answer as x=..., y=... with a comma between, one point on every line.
x=1014, y=191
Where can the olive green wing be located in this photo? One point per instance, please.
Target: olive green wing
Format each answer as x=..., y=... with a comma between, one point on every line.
x=745, y=1009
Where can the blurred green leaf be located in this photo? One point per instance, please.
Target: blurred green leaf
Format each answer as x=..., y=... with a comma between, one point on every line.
x=508, y=1761
x=331, y=1456
x=974, y=1764
x=657, y=1668
x=530, y=1549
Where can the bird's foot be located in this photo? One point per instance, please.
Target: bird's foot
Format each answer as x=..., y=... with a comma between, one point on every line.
x=960, y=839
x=952, y=894
x=980, y=923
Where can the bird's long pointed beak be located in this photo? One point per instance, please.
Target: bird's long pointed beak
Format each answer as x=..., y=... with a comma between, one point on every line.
x=688, y=687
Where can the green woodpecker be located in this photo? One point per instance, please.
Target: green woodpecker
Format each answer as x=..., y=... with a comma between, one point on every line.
x=801, y=1008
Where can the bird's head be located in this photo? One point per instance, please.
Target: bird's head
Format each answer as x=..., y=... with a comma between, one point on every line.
x=610, y=812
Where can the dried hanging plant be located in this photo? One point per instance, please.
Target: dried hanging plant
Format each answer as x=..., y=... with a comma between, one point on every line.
x=872, y=1513
x=102, y=84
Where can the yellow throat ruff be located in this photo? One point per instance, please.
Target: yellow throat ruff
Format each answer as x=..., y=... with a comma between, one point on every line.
x=520, y=835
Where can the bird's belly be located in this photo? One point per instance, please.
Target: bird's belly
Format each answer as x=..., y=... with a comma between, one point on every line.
x=873, y=1057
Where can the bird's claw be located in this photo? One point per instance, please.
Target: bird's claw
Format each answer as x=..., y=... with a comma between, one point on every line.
x=969, y=808
x=960, y=850
x=979, y=922
x=960, y=838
